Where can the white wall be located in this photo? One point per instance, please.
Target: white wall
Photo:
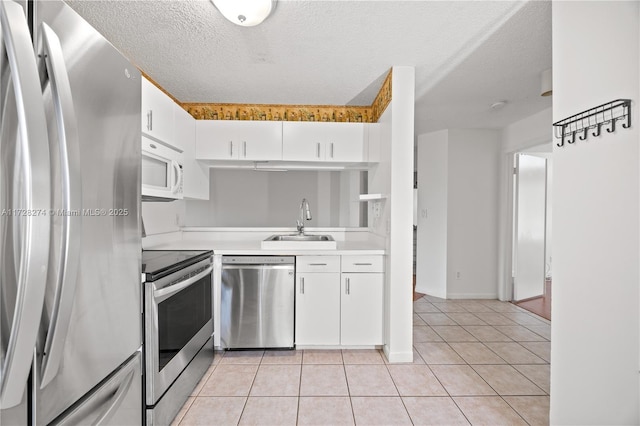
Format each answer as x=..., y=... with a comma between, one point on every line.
x=531, y=131
x=595, y=329
x=247, y=198
x=458, y=185
x=472, y=203
x=399, y=276
x=431, y=250
x=393, y=177
x=160, y=218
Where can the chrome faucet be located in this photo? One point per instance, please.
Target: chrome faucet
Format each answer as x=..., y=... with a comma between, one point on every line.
x=305, y=213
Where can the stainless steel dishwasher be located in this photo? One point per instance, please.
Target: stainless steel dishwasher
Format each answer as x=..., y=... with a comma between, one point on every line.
x=257, y=302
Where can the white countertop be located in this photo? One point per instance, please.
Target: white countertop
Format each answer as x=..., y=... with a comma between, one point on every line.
x=248, y=242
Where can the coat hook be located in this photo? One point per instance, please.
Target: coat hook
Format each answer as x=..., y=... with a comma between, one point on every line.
x=597, y=132
x=584, y=134
x=613, y=126
x=573, y=137
x=628, y=124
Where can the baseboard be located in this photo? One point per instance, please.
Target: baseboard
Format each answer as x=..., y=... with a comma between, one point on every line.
x=396, y=357
x=472, y=296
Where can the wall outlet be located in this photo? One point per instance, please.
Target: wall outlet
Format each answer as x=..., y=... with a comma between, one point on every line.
x=457, y=275
x=377, y=209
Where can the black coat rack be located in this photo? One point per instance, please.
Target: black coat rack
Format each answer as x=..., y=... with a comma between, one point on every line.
x=605, y=115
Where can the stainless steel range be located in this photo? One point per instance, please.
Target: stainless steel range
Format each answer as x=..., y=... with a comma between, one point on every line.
x=178, y=328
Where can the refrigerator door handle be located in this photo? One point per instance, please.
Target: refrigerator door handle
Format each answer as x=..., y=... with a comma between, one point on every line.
x=34, y=254
x=116, y=401
x=69, y=152
x=110, y=396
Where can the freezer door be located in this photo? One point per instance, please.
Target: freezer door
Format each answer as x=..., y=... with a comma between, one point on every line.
x=116, y=402
x=91, y=321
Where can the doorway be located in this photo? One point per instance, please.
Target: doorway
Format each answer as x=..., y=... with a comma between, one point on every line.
x=531, y=252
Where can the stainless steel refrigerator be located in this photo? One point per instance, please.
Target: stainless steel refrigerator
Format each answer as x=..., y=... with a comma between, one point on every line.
x=70, y=293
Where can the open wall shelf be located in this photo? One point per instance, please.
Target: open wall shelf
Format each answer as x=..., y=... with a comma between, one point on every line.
x=372, y=197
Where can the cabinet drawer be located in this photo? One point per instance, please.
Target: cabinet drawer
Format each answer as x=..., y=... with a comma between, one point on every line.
x=318, y=263
x=362, y=263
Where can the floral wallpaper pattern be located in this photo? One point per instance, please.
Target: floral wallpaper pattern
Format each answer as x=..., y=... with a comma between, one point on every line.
x=327, y=113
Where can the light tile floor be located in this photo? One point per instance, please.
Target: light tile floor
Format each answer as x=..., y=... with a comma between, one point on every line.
x=481, y=362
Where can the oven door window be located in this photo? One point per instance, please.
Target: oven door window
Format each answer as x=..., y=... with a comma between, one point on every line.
x=155, y=172
x=180, y=317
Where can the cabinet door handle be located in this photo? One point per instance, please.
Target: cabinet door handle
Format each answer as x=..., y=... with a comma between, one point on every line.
x=231, y=149
x=331, y=149
x=348, y=285
x=317, y=264
x=244, y=149
x=318, y=149
x=150, y=120
x=301, y=285
x=363, y=264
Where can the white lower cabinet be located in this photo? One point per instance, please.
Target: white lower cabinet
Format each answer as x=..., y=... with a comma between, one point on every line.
x=318, y=308
x=317, y=300
x=361, y=309
x=339, y=305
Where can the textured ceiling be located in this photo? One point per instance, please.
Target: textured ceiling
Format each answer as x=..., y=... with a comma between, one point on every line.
x=467, y=54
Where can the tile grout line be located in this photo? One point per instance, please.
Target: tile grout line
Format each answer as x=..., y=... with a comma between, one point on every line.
x=300, y=388
x=399, y=395
x=246, y=401
x=346, y=379
x=445, y=389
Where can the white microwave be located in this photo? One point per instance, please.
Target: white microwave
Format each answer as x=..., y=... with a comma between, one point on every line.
x=162, y=176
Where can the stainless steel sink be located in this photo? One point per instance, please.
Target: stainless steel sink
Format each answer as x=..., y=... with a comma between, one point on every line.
x=299, y=241
x=300, y=237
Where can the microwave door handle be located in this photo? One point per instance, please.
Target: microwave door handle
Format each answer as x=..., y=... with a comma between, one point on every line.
x=69, y=151
x=34, y=255
x=177, y=175
x=165, y=293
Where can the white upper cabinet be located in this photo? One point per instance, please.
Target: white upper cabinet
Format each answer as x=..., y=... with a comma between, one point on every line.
x=239, y=140
x=196, y=175
x=332, y=142
x=157, y=114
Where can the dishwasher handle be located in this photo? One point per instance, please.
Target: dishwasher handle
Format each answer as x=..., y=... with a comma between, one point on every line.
x=285, y=267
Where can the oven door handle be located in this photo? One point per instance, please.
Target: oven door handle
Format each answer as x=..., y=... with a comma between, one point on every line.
x=165, y=293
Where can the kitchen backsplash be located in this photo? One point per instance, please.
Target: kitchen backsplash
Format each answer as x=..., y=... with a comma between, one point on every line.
x=247, y=198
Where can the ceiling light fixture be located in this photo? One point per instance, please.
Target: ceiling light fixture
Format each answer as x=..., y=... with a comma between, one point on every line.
x=246, y=13
x=546, y=80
